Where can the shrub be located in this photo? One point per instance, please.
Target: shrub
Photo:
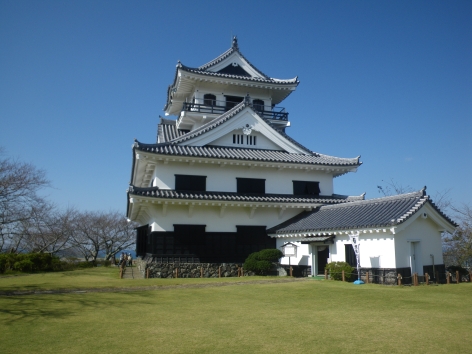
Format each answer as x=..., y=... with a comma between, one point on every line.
x=104, y=263
x=85, y=264
x=261, y=262
x=335, y=270
x=24, y=265
x=28, y=262
x=270, y=254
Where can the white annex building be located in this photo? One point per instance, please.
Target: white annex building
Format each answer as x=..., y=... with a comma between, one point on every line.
x=224, y=180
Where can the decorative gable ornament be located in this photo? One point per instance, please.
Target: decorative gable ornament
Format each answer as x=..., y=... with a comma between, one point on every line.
x=247, y=129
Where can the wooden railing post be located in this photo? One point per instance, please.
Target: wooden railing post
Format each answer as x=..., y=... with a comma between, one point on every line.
x=415, y=279
x=426, y=278
x=147, y=273
x=367, y=277
x=457, y=277
x=399, y=278
x=176, y=272
x=242, y=271
x=219, y=272
x=448, y=278
x=344, y=279
x=291, y=271
x=326, y=274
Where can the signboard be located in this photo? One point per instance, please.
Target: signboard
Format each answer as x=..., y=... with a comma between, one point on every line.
x=290, y=250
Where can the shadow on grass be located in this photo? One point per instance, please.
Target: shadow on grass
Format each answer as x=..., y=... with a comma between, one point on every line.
x=31, y=308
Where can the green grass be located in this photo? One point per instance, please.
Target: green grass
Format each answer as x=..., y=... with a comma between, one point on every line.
x=93, y=278
x=296, y=317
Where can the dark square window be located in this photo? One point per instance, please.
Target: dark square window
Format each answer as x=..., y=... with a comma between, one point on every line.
x=190, y=183
x=306, y=187
x=190, y=235
x=350, y=255
x=251, y=185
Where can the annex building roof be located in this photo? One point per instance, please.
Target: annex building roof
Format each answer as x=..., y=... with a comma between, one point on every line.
x=383, y=212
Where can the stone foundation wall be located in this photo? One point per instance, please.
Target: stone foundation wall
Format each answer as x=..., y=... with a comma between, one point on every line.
x=188, y=270
x=378, y=276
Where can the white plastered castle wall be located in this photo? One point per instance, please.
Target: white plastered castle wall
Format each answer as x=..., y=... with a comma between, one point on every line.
x=304, y=254
x=377, y=250
x=261, y=141
x=223, y=179
x=163, y=218
x=427, y=236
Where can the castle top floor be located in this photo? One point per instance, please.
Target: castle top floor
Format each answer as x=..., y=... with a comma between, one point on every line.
x=199, y=95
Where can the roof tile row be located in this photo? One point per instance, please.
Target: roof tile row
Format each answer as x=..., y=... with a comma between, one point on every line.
x=154, y=192
x=380, y=212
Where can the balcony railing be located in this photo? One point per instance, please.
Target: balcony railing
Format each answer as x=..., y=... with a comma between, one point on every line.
x=220, y=107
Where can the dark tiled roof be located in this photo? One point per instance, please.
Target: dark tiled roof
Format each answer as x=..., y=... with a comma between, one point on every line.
x=226, y=117
x=239, y=77
x=227, y=153
x=169, y=136
x=220, y=58
x=381, y=212
x=167, y=130
x=154, y=192
x=203, y=70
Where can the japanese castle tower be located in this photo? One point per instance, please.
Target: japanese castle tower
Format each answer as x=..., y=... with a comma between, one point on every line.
x=224, y=180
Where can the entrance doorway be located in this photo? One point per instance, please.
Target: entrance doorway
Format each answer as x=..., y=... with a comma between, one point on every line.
x=322, y=258
x=415, y=259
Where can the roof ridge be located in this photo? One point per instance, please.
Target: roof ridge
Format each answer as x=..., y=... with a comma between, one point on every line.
x=286, y=136
x=240, y=153
x=217, y=60
x=234, y=49
x=240, y=77
x=416, y=194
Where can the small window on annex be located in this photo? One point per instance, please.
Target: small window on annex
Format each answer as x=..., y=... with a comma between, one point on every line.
x=209, y=99
x=190, y=183
x=306, y=188
x=250, y=185
x=350, y=255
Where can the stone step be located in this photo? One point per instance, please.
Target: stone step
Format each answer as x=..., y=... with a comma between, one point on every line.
x=132, y=273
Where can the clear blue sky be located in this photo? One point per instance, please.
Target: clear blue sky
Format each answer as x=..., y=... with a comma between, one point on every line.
x=388, y=80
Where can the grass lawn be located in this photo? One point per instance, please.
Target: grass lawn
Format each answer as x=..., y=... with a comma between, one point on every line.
x=294, y=317
x=93, y=278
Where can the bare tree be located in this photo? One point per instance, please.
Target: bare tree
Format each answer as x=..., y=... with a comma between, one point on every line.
x=97, y=232
x=458, y=246
x=441, y=198
x=19, y=186
x=392, y=187
x=85, y=239
x=48, y=229
x=118, y=236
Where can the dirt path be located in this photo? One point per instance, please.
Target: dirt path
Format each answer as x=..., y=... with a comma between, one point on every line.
x=146, y=288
